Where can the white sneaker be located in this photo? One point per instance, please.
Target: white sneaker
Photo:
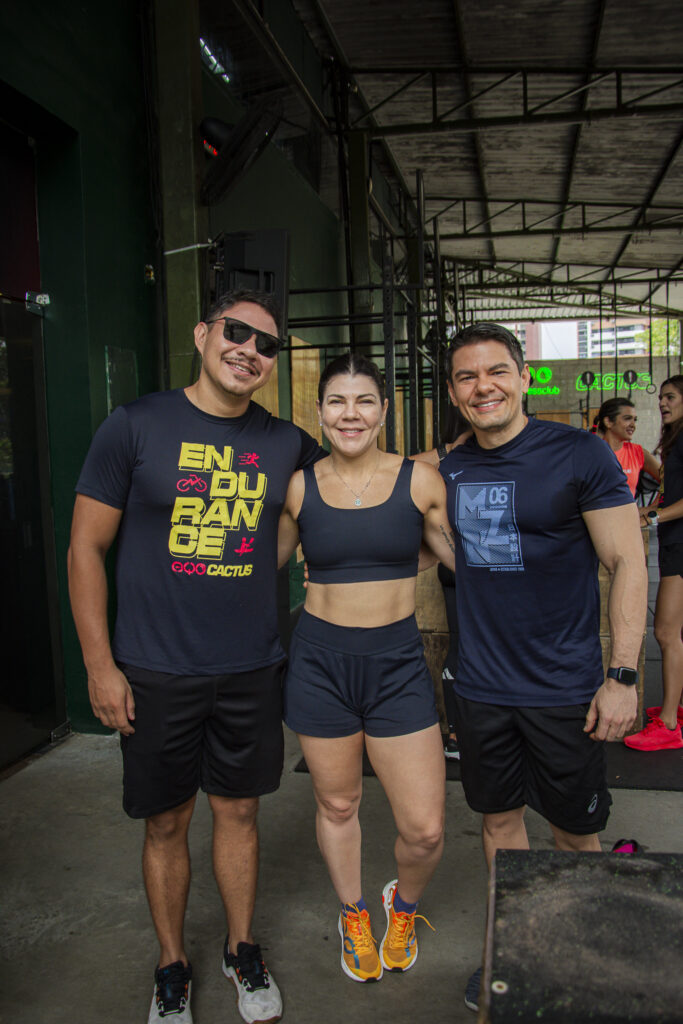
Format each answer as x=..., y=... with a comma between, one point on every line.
x=171, y=997
x=258, y=997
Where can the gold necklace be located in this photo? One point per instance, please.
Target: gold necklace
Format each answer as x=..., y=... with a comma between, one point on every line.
x=357, y=494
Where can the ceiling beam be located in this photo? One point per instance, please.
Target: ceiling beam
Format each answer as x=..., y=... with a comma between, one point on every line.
x=652, y=191
x=529, y=69
x=460, y=47
x=653, y=112
x=561, y=285
x=550, y=202
x=579, y=232
x=576, y=135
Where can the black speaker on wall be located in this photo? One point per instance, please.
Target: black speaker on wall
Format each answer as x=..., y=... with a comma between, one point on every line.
x=236, y=147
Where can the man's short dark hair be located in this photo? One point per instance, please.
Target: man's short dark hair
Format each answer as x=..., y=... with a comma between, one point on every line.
x=484, y=331
x=227, y=300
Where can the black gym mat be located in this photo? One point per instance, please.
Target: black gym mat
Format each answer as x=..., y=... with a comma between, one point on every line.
x=626, y=769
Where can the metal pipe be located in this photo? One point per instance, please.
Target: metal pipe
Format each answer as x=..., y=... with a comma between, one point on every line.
x=260, y=29
x=389, y=363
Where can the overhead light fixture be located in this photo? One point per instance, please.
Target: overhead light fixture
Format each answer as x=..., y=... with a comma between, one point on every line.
x=212, y=62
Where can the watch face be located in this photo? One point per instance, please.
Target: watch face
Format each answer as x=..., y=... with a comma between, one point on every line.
x=624, y=675
x=652, y=515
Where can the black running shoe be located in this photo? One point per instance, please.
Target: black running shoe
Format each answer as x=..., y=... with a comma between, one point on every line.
x=258, y=997
x=451, y=749
x=472, y=990
x=171, y=999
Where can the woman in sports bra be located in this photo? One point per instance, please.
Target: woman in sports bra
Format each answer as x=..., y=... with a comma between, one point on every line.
x=357, y=672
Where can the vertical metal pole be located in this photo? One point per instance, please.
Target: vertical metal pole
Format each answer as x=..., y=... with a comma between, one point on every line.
x=668, y=323
x=181, y=159
x=389, y=356
x=413, y=382
x=616, y=347
x=437, y=379
x=600, y=329
x=440, y=328
x=650, y=315
x=339, y=97
x=420, y=192
x=456, y=296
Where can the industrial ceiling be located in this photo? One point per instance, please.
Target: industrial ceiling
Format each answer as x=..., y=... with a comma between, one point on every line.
x=548, y=134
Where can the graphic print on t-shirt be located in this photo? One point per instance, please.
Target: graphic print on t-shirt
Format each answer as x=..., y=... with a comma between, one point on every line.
x=215, y=509
x=485, y=519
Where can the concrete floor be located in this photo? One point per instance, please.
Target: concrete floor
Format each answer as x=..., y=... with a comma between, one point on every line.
x=77, y=946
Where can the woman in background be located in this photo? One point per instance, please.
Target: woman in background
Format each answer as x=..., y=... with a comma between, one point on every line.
x=663, y=730
x=616, y=424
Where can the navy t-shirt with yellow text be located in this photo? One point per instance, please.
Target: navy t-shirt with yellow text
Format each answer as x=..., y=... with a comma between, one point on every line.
x=527, y=589
x=197, y=545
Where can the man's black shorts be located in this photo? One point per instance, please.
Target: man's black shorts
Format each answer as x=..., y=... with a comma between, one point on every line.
x=220, y=733
x=541, y=757
x=670, y=559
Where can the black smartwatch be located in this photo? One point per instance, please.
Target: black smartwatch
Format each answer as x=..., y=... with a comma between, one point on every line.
x=653, y=517
x=442, y=452
x=627, y=676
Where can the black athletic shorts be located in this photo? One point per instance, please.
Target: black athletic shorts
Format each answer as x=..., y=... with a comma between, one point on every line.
x=671, y=559
x=343, y=679
x=220, y=733
x=541, y=757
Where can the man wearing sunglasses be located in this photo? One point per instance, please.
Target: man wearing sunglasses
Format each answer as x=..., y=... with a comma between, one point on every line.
x=192, y=482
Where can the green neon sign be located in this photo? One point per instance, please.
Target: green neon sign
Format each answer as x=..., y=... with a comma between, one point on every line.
x=540, y=381
x=607, y=381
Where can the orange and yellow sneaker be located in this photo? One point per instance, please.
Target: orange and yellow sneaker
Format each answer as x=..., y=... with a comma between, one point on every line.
x=359, y=957
x=398, y=951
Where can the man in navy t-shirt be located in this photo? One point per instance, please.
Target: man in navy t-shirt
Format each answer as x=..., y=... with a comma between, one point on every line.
x=534, y=506
x=192, y=482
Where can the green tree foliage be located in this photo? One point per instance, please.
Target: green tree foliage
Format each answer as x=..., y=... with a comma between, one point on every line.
x=659, y=337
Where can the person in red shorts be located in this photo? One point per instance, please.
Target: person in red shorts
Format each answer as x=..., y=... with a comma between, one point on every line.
x=616, y=424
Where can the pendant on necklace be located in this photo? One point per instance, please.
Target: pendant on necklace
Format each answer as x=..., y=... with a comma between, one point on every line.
x=357, y=502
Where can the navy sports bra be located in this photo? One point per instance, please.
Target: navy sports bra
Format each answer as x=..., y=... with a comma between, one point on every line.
x=344, y=545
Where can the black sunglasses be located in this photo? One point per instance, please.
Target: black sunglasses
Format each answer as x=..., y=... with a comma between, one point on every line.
x=234, y=330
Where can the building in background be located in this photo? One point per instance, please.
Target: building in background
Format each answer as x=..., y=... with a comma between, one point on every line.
x=620, y=332
x=529, y=336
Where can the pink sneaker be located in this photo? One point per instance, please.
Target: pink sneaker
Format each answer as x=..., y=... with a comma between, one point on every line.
x=656, y=712
x=655, y=736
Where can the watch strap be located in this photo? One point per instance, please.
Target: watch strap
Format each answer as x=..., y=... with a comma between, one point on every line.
x=627, y=676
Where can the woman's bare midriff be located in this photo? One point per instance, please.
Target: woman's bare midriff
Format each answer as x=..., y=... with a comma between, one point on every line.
x=372, y=604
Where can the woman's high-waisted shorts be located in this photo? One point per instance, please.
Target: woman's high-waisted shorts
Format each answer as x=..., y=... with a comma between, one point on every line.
x=344, y=679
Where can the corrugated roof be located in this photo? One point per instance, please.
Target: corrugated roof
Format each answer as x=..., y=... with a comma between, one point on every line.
x=548, y=134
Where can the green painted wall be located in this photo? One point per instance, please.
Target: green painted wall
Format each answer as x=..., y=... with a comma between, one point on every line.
x=79, y=67
x=71, y=75
x=274, y=195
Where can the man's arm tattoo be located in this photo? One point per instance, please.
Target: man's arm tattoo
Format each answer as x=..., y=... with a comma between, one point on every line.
x=448, y=537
